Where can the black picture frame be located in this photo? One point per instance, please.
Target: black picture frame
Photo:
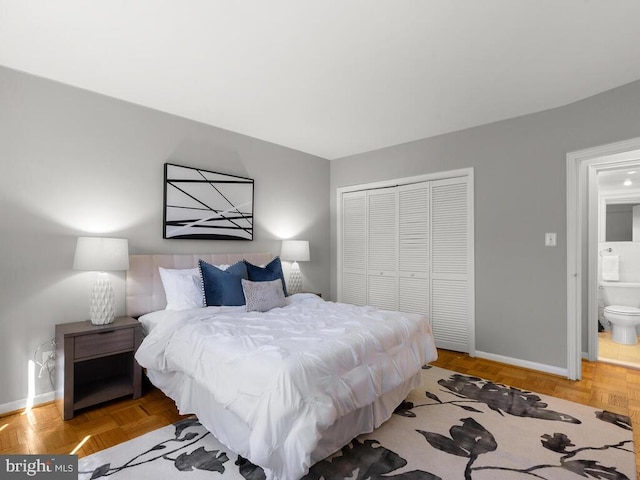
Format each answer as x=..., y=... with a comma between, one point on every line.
x=204, y=205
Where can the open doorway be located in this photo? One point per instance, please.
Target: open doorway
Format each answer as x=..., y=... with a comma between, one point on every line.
x=583, y=265
x=618, y=262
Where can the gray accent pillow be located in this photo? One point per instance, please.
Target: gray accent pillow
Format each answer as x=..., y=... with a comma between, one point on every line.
x=263, y=296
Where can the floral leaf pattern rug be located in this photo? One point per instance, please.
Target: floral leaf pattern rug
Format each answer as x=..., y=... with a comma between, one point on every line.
x=453, y=426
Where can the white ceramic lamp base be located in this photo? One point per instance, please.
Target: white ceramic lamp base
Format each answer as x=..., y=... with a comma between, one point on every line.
x=102, y=301
x=295, y=279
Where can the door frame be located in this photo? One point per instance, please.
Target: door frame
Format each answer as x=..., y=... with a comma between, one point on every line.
x=582, y=242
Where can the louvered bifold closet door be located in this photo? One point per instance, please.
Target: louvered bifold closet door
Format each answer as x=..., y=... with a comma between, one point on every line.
x=450, y=268
x=413, y=261
x=382, y=248
x=354, y=248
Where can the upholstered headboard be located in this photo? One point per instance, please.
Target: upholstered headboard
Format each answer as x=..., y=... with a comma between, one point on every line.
x=144, y=288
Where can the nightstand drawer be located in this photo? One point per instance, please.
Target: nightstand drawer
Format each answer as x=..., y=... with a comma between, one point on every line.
x=103, y=342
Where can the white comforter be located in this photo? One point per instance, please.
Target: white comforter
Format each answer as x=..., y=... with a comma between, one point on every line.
x=291, y=372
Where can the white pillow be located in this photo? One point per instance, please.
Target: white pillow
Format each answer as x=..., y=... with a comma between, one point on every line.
x=182, y=287
x=263, y=296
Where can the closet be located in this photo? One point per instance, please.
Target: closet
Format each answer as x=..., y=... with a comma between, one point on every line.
x=408, y=245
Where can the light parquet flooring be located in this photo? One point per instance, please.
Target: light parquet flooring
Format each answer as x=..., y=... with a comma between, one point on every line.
x=42, y=430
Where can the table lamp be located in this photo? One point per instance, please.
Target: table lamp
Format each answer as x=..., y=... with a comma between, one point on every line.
x=101, y=255
x=295, y=251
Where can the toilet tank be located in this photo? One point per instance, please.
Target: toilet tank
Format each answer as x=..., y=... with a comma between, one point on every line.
x=620, y=293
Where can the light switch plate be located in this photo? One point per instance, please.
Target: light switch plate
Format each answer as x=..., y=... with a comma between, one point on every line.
x=550, y=239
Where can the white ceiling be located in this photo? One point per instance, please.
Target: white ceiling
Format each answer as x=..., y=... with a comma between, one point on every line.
x=619, y=173
x=614, y=181
x=330, y=77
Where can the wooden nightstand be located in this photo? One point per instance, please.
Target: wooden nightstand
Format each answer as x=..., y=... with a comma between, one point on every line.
x=95, y=363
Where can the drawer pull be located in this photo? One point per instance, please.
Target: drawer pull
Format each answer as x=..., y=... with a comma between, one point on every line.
x=104, y=333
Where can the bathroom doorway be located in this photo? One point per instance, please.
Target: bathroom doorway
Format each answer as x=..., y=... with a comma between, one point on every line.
x=618, y=260
x=582, y=244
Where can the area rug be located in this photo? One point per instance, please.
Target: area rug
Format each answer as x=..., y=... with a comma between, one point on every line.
x=453, y=426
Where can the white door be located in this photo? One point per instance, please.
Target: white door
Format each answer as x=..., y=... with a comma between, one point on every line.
x=413, y=237
x=451, y=256
x=382, y=248
x=354, y=248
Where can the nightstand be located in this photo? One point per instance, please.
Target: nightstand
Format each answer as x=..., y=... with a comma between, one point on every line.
x=95, y=363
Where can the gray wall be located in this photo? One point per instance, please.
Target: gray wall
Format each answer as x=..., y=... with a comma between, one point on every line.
x=77, y=163
x=520, y=193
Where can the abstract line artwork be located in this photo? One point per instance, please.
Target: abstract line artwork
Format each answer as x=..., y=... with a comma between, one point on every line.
x=204, y=205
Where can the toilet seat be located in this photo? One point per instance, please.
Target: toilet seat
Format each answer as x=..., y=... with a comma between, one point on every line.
x=623, y=310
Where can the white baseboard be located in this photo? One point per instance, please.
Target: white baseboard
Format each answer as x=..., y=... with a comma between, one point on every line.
x=524, y=363
x=21, y=404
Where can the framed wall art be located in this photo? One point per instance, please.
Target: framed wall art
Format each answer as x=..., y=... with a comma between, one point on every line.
x=204, y=205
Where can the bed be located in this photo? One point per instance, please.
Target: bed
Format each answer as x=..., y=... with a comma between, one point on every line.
x=285, y=387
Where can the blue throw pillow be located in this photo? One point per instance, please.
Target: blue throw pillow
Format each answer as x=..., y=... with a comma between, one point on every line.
x=271, y=271
x=223, y=287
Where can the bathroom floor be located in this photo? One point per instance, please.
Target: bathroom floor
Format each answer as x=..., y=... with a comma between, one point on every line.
x=609, y=351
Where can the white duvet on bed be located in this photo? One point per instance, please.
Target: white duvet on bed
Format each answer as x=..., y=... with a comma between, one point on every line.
x=291, y=372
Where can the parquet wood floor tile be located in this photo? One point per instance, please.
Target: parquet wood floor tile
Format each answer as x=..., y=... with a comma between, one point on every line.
x=42, y=430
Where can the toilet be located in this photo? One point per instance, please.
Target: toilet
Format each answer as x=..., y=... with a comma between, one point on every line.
x=623, y=323
x=621, y=310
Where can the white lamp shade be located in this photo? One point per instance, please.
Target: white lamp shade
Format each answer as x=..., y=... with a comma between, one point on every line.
x=101, y=254
x=295, y=251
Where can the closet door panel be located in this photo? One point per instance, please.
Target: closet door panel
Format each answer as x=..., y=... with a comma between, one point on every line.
x=413, y=228
x=413, y=251
x=449, y=314
x=354, y=288
x=383, y=291
x=449, y=228
x=382, y=248
x=413, y=295
x=382, y=218
x=354, y=248
x=450, y=264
